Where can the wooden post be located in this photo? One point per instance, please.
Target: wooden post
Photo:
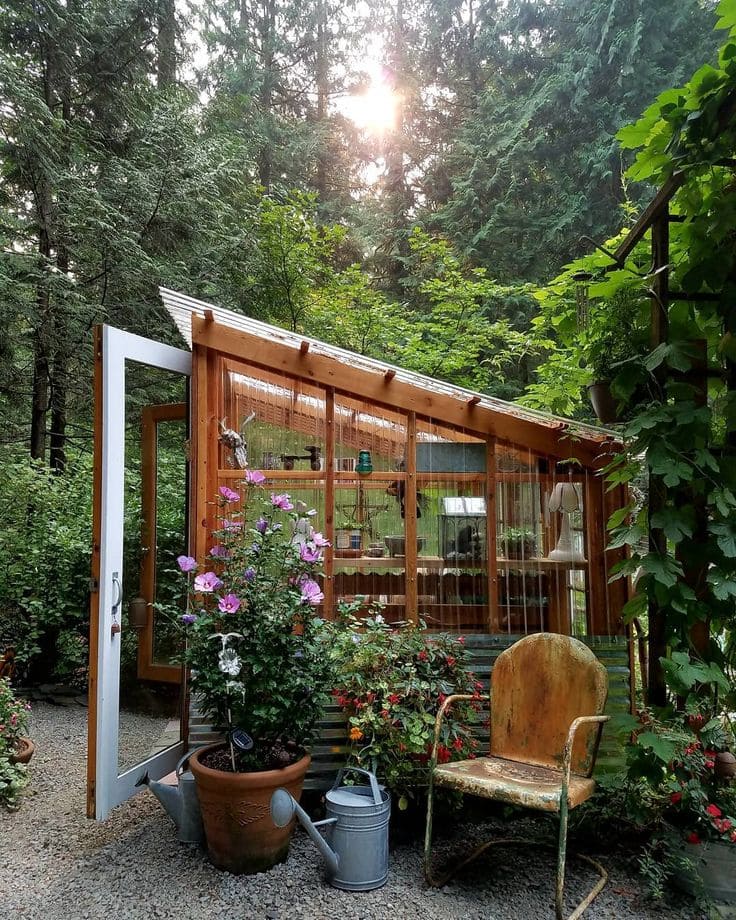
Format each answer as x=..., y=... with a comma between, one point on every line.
x=494, y=617
x=594, y=524
x=695, y=574
x=329, y=579
x=657, y=488
x=410, y=519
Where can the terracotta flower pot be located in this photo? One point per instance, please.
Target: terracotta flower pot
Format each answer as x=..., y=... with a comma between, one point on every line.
x=725, y=766
x=23, y=752
x=603, y=402
x=236, y=811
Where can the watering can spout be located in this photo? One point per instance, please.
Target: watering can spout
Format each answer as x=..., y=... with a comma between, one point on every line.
x=180, y=802
x=169, y=797
x=284, y=807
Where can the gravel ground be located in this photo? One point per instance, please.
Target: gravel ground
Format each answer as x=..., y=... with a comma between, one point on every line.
x=57, y=865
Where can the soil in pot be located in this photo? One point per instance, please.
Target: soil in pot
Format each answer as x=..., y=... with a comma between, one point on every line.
x=236, y=811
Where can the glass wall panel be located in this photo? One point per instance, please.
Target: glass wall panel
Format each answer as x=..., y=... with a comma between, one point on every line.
x=370, y=507
x=542, y=564
x=452, y=564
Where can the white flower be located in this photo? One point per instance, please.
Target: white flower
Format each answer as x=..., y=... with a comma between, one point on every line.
x=379, y=619
x=229, y=662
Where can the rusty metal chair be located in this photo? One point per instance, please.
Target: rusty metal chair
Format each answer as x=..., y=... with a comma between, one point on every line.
x=547, y=697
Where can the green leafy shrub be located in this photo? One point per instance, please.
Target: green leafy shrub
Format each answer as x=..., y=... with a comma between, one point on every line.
x=391, y=681
x=13, y=724
x=45, y=544
x=254, y=643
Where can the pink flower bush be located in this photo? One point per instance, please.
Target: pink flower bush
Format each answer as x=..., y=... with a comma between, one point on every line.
x=309, y=553
x=206, y=583
x=311, y=592
x=230, y=603
x=254, y=634
x=228, y=495
x=186, y=563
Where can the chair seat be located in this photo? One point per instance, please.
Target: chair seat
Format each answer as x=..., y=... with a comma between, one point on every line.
x=510, y=781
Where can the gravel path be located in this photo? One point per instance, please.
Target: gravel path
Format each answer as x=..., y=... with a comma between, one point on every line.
x=57, y=865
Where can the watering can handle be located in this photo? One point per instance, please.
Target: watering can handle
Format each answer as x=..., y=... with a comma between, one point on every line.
x=184, y=759
x=377, y=800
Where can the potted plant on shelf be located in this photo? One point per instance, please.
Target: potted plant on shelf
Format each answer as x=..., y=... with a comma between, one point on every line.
x=519, y=543
x=349, y=537
x=15, y=749
x=254, y=645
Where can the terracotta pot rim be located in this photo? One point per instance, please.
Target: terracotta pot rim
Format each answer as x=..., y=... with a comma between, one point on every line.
x=24, y=750
x=259, y=777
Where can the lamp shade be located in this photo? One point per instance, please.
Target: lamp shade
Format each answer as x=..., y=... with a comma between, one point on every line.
x=564, y=497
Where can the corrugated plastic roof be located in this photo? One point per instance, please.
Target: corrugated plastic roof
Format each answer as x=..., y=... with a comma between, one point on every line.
x=181, y=308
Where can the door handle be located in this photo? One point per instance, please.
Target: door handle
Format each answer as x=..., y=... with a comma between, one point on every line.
x=115, y=627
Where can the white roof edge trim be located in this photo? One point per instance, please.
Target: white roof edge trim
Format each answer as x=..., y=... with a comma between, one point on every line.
x=181, y=307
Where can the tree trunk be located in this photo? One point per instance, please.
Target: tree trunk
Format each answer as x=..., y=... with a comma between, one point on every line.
x=166, y=44
x=322, y=97
x=268, y=30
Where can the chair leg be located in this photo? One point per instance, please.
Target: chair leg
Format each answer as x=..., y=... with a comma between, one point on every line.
x=561, y=854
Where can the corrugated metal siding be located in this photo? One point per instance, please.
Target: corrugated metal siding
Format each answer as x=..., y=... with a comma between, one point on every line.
x=328, y=750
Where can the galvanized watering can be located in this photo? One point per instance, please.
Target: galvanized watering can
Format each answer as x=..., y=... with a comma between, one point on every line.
x=180, y=802
x=357, y=817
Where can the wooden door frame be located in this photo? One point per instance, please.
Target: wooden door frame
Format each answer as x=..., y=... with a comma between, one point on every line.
x=150, y=418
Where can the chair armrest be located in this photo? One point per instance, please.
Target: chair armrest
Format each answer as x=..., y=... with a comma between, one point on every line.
x=567, y=753
x=438, y=722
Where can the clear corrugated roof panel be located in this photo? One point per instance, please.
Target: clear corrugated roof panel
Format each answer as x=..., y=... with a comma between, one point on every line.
x=181, y=307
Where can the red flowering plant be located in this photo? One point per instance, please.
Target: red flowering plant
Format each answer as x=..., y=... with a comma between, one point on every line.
x=13, y=725
x=391, y=681
x=253, y=639
x=673, y=761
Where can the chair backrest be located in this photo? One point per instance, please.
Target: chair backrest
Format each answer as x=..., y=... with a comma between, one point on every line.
x=538, y=687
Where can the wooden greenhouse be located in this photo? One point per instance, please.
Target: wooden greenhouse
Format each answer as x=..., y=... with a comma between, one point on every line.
x=450, y=508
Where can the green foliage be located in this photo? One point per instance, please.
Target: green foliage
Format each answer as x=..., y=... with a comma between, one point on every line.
x=391, y=681
x=534, y=165
x=255, y=648
x=13, y=725
x=679, y=433
x=45, y=546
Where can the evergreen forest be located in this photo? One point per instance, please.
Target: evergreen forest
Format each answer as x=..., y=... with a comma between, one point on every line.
x=398, y=177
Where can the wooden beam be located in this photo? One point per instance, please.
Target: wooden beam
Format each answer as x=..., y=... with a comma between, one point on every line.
x=389, y=376
x=473, y=401
x=209, y=316
x=656, y=206
x=304, y=348
x=657, y=691
x=552, y=437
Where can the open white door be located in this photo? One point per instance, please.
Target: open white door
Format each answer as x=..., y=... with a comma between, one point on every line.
x=133, y=729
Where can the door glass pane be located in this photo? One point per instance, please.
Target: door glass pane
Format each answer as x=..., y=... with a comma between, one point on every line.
x=150, y=709
x=170, y=519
